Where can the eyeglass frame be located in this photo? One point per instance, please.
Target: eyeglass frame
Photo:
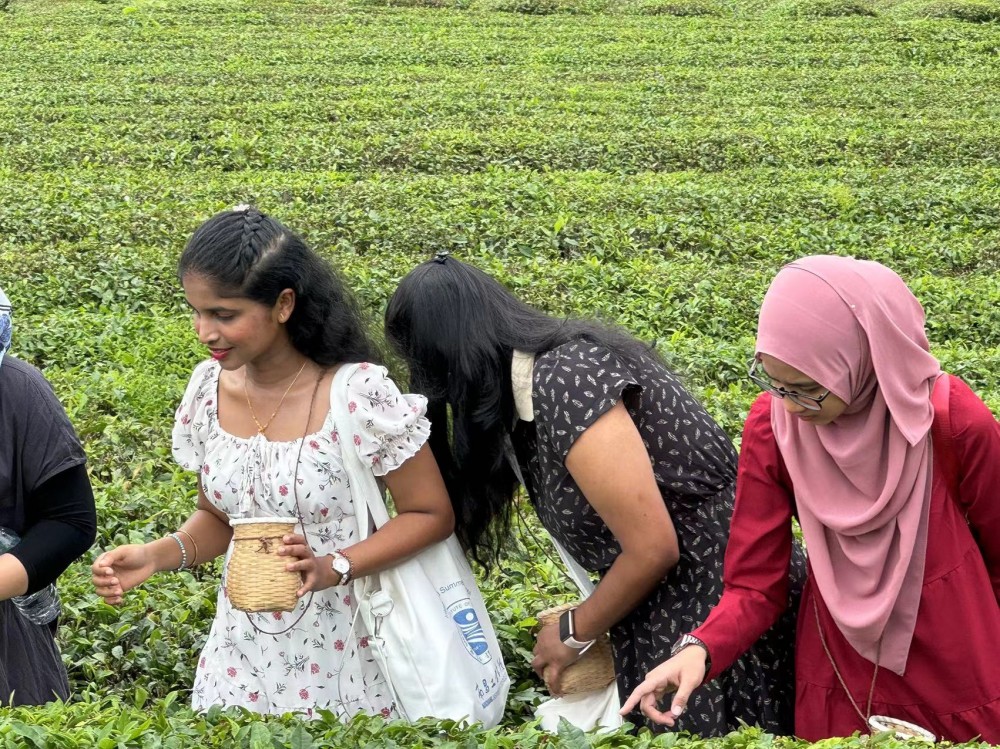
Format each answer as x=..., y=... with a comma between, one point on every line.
x=812, y=403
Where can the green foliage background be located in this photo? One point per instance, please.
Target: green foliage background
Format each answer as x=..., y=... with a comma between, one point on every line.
x=652, y=162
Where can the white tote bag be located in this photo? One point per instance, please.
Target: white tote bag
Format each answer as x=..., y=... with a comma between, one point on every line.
x=427, y=624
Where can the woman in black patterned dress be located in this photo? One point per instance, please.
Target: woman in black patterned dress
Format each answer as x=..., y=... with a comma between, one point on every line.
x=624, y=467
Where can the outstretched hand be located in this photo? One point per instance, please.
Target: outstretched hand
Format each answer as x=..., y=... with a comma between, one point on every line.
x=681, y=675
x=121, y=569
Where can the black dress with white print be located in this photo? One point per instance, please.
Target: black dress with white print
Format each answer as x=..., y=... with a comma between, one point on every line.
x=694, y=463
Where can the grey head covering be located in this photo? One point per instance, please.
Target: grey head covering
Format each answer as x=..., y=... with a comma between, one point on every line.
x=6, y=325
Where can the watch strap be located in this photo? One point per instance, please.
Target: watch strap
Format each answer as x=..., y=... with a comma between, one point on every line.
x=567, y=632
x=686, y=641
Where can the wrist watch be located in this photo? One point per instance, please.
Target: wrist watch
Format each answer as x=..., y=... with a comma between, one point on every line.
x=341, y=565
x=567, y=632
x=688, y=640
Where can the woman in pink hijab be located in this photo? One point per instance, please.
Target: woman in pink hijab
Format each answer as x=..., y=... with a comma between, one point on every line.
x=893, y=472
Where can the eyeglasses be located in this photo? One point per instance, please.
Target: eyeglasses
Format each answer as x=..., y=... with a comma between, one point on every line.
x=811, y=402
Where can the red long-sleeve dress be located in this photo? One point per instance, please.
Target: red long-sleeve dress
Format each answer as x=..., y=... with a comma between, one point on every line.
x=952, y=681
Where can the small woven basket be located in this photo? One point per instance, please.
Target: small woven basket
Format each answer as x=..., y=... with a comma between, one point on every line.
x=256, y=578
x=594, y=670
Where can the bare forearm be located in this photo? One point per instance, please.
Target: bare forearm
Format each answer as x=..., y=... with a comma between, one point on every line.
x=400, y=538
x=13, y=577
x=211, y=539
x=611, y=466
x=628, y=581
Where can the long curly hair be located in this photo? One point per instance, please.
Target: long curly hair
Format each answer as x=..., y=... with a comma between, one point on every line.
x=248, y=254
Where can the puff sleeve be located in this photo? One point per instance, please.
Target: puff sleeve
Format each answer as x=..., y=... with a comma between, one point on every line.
x=191, y=420
x=389, y=427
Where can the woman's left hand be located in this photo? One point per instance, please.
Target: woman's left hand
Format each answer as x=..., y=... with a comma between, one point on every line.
x=317, y=573
x=552, y=657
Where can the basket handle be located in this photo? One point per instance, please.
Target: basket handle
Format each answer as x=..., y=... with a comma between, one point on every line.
x=298, y=511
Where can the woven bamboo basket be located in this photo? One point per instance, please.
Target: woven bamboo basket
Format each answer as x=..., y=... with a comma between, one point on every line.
x=594, y=670
x=256, y=578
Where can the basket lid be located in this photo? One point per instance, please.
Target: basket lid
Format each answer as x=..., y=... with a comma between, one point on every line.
x=250, y=521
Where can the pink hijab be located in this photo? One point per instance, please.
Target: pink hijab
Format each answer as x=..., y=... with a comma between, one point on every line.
x=863, y=482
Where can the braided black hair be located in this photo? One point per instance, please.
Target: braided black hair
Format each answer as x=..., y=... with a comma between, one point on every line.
x=248, y=254
x=252, y=220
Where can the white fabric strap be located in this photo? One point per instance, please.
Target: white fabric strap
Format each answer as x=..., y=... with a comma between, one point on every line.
x=576, y=572
x=521, y=372
x=362, y=480
x=365, y=493
x=522, y=367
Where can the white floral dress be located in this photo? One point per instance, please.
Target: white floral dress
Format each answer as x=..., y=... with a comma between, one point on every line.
x=319, y=663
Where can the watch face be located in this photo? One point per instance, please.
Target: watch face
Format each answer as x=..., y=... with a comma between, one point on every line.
x=566, y=625
x=341, y=565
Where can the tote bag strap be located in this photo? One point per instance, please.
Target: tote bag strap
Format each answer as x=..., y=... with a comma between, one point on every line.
x=366, y=495
x=365, y=492
x=521, y=372
x=574, y=570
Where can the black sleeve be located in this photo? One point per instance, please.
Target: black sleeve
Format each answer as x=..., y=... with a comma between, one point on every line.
x=61, y=524
x=47, y=443
x=575, y=384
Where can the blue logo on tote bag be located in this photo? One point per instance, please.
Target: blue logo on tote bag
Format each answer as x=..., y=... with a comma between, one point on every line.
x=465, y=617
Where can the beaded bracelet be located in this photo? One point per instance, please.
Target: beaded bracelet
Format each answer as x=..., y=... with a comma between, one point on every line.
x=194, y=557
x=184, y=554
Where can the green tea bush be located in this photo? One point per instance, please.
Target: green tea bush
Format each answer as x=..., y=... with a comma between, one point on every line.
x=824, y=9
x=973, y=11
x=684, y=8
x=454, y=4
x=147, y=724
x=649, y=162
x=531, y=7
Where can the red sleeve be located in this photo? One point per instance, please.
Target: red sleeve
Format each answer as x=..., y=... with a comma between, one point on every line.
x=976, y=440
x=755, y=573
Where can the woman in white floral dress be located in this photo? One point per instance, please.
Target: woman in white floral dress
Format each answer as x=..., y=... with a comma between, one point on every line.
x=278, y=323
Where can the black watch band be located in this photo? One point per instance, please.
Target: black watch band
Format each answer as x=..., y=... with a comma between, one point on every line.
x=567, y=632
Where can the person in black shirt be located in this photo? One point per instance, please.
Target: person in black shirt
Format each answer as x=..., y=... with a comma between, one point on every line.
x=47, y=521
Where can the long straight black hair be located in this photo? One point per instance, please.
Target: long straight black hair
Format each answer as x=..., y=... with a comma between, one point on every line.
x=248, y=254
x=457, y=328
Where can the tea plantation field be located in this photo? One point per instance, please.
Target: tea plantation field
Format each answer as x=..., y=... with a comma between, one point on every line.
x=651, y=162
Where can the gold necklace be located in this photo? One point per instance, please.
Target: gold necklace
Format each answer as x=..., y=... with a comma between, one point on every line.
x=253, y=415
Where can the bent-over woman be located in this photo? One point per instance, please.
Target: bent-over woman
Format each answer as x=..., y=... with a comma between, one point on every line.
x=623, y=466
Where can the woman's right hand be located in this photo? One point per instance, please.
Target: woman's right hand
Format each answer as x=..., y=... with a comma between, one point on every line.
x=681, y=674
x=121, y=569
